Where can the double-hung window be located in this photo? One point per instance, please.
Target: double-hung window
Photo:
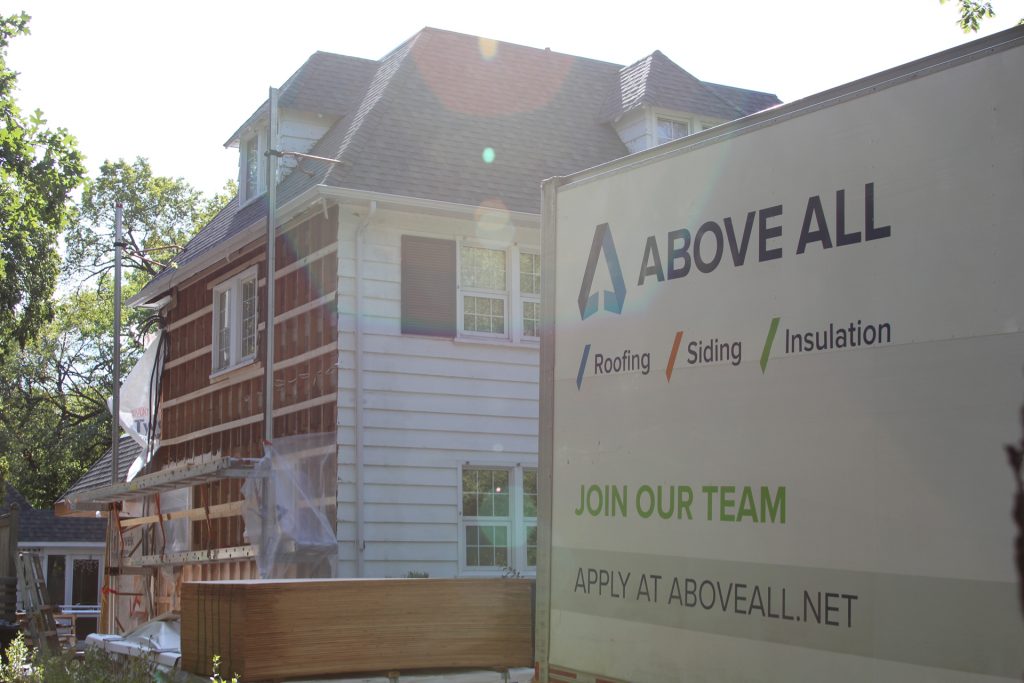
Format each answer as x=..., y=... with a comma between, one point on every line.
x=234, y=320
x=499, y=519
x=499, y=292
x=483, y=282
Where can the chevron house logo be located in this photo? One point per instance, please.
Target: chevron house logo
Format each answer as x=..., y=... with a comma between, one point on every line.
x=613, y=300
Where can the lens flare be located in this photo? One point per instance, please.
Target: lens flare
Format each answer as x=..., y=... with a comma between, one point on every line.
x=493, y=219
x=488, y=155
x=488, y=48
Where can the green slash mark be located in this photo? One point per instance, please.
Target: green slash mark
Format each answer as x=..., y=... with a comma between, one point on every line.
x=768, y=343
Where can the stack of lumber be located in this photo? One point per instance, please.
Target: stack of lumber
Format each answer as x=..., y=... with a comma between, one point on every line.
x=273, y=629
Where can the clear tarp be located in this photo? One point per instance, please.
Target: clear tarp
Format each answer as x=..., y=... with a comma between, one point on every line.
x=138, y=402
x=290, y=507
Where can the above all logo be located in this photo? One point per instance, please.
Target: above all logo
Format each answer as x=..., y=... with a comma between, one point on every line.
x=612, y=300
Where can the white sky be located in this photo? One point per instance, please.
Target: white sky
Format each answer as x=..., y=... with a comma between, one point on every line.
x=172, y=80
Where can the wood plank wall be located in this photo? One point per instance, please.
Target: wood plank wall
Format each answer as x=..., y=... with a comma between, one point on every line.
x=224, y=416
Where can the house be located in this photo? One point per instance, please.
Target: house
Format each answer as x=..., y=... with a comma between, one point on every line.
x=71, y=554
x=407, y=295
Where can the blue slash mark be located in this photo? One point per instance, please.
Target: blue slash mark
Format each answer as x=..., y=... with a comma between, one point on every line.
x=583, y=366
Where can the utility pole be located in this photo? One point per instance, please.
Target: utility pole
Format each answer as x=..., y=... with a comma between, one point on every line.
x=115, y=426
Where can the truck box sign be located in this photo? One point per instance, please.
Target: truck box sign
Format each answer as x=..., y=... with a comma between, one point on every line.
x=785, y=359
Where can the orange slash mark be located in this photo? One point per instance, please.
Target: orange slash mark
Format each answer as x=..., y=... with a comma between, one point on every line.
x=672, y=356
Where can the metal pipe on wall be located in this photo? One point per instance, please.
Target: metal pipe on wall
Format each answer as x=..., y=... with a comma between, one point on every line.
x=358, y=389
x=268, y=389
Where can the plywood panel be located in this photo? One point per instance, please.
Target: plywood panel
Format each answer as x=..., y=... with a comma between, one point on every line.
x=273, y=629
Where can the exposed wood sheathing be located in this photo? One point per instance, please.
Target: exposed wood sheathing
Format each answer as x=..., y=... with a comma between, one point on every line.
x=223, y=415
x=280, y=629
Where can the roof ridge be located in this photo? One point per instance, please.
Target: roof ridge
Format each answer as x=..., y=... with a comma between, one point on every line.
x=668, y=62
x=548, y=50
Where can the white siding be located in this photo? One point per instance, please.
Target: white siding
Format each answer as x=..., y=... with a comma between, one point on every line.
x=429, y=406
x=299, y=131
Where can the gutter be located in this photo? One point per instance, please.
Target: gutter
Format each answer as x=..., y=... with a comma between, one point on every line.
x=295, y=206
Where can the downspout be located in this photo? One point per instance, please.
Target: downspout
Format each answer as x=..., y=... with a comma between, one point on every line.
x=358, y=398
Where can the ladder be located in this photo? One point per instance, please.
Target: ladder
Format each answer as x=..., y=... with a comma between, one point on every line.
x=38, y=615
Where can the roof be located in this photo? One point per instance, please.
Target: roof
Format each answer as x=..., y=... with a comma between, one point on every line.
x=327, y=84
x=42, y=526
x=99, y=473
x=417, y=123
x=442, y=98
x=747, y=101
x=230, y=221
x=657, y=81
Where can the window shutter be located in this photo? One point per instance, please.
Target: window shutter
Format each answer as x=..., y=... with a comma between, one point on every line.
x=428, y=286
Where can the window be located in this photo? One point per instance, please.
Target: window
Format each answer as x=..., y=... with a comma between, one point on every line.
x=529, y=293
x=499, y=519
x=671, y=129
x=499, y=292
x=234, y=321
x=469, y=289
x=253, y=182
x=484, y=282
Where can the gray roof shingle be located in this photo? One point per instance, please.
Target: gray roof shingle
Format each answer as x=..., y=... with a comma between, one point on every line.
x=99, y=473
x=417, y=122
x=657, y=81
x=42, y=526
x=327, y=84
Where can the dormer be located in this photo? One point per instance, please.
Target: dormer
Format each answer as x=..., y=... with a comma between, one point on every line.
x=657, y=101
x=252, y=163
x=646, y=126
x=313, y=99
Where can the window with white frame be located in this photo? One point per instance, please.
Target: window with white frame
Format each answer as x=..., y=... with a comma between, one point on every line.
x=253, y=182
x=499, y=519
x=234, y=320
x=499, y=292
x=483, y=280
x=529, y=293
x=671, y=129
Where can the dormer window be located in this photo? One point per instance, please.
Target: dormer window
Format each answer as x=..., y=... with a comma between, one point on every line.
x=671, y=129
x=253, y=182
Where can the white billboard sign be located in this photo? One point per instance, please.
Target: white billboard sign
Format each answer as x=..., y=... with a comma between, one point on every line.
x=786, y=364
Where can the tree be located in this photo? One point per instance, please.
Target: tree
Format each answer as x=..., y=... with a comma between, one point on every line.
x=160, y=215
x=39, y=168
x=972, y=12
x=54, y=421
x=53, y=416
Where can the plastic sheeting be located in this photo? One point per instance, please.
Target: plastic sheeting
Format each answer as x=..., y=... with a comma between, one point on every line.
x=290, y=507
x=172, y=535
x=158, y=640
x=138, y=400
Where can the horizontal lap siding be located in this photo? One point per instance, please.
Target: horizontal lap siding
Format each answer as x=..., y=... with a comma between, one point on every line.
x=429, y=406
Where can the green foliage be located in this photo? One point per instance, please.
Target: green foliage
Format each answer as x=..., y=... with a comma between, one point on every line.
x=53, y=417
x=39, y=168
x=972, y=13
x=17, y=666
x=26, y=666
x=54, y=422
x=160, y=215
x=217, y=678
